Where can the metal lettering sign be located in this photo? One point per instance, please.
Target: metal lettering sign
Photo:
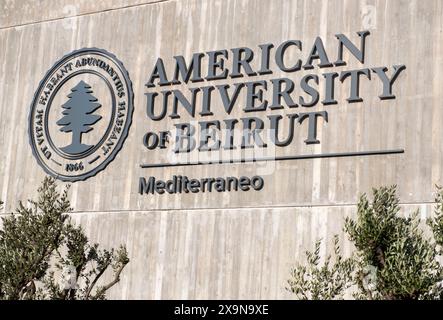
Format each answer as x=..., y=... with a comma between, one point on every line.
x=83, y=107
x=81, y=114
x=228, y=80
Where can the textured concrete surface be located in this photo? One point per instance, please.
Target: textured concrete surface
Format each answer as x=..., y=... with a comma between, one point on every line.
x=23, y=12
x=231, y=245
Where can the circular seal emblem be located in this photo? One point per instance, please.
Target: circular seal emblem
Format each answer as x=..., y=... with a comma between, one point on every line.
x=81, y=114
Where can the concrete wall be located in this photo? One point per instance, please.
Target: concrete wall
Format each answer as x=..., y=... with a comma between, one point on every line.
x=230, y=245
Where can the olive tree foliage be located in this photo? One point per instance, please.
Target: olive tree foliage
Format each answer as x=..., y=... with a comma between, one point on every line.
x=393, y=258
x=316, y=281
x=43, y=255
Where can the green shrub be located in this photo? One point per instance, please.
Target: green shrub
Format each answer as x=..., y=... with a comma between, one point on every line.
x=39, y=239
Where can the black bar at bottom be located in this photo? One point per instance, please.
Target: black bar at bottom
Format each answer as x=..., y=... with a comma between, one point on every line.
x=226, y=309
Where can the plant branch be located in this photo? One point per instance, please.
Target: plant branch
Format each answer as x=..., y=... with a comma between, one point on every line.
x=114, y=281
x=88, y=292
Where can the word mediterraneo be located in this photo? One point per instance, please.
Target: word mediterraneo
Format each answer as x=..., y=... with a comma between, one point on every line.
x=199, y=84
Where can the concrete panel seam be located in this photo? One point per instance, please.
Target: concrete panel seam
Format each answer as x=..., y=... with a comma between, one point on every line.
x=84, y=14
x=234, y=208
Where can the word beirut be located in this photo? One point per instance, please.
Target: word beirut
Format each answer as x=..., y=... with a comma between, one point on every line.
x=238, y=63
